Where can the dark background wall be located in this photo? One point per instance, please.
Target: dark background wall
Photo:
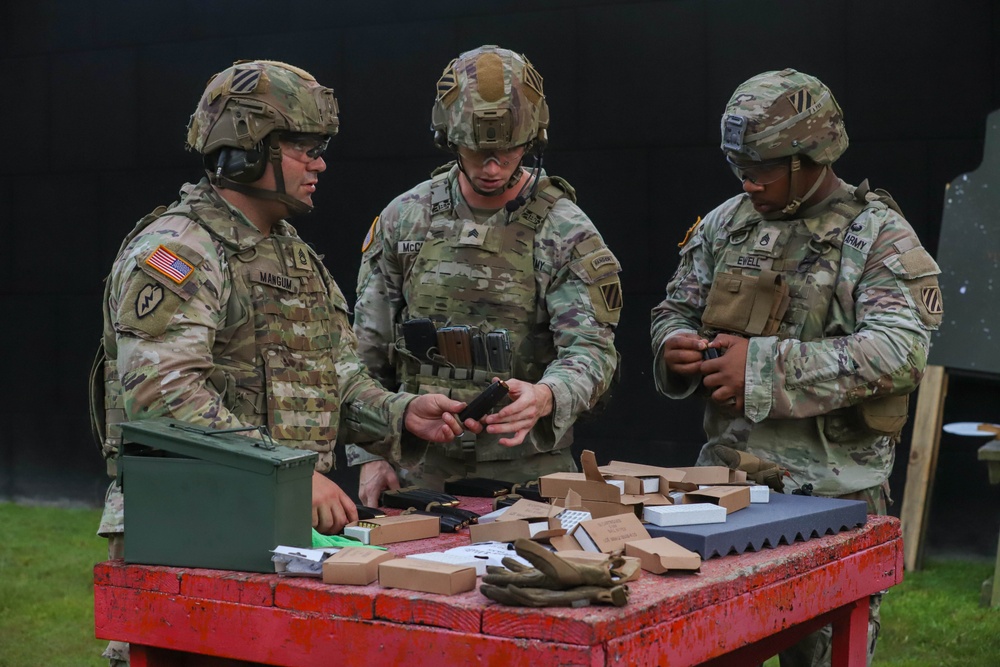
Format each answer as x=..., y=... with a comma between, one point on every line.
x=97, y=94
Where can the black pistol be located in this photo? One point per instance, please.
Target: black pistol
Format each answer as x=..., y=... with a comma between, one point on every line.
x=483, y=403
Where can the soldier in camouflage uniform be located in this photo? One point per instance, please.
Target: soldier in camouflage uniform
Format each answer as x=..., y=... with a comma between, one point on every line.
x=217, y=313
x=494, y=245
x=819, y=297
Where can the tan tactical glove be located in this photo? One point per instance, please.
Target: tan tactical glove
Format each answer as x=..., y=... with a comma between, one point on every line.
x=757, y=469
x=551, y=571
x=580, y=596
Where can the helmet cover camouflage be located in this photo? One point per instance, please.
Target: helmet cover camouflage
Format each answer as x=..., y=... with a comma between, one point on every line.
x=489, y=99
x=244, y=103
x=780, y=114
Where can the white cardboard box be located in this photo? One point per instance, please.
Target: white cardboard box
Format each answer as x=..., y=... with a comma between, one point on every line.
x=684, y=515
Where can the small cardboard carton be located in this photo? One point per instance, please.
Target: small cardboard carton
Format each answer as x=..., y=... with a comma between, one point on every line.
x=760, y=494
x=426, y=576
x=659, y=554
x=708, y=476
x=590, y=484
x=639, y=478
x=465, y=560
x=731, y=497
x=525, y=518
x=557, y=484
x=390, y=529
x=354, y=566
x=610, y=533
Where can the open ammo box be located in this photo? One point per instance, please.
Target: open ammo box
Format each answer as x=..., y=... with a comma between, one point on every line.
x=199, y=497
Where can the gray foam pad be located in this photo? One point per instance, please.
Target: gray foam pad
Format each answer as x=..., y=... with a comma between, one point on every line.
x=783, y=520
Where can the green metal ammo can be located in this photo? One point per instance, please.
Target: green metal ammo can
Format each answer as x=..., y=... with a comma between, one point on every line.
x=200, y=497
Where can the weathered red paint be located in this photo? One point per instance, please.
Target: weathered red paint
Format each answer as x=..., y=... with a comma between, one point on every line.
x=736, y=611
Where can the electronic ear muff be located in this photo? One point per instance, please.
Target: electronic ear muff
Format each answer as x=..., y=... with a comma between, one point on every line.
x=238, y=165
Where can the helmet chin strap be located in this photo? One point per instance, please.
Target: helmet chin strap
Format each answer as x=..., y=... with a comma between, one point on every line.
x=795, y=180
x=295, y=207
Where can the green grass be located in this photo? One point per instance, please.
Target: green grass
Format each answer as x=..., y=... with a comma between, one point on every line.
x=47, y=557
x=932, y=619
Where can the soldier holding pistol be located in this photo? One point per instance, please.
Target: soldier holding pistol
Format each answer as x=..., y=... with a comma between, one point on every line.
x=818, y=297
x=494, y=256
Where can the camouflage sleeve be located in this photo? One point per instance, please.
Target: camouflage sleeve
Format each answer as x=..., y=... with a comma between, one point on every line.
x=583, y=298
x=379, y=300
x=895, y=302
x=165, y=328
x=686, y=296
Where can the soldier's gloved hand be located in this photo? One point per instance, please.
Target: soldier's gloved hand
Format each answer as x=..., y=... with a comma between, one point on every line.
x=551, y=571
x=580, y=596
x=757, y=469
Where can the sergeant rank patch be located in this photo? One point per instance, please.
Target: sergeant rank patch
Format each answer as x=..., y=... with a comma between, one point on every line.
x=170, y=265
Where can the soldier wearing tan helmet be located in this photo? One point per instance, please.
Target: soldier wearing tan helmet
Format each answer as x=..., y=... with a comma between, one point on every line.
x=493, y=251
x=217, y=313
x=801, y=310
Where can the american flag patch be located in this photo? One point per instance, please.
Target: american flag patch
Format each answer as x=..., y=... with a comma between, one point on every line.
x=170, y=265
x=244, y=81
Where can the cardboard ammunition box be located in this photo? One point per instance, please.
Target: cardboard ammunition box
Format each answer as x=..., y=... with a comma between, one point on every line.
x=557, y=484
x=525, y=518
x=354, y=566
x=708, y=475
x=426, y=576
x=390, y=529
x=639, y=478
x=659, y=555
x=731, y=497
x=199, y=497
x=610, y=533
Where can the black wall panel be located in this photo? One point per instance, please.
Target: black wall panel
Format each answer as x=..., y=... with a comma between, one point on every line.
x=99, y=92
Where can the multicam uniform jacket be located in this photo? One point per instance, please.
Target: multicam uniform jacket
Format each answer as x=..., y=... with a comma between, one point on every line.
x=545, y=275
x=209, y=321
x=864, y=298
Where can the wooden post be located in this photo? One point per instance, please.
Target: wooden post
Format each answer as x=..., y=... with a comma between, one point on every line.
x=923, y=461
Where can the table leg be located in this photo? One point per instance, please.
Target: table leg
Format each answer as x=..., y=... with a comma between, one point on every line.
x=850, y=636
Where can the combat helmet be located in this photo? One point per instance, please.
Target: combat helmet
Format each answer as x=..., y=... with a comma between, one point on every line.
x=780, y=114
x=490, y=98
x=783, y=114
x=241, y=113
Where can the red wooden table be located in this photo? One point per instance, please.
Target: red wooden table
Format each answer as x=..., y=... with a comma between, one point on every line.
x=738, y=610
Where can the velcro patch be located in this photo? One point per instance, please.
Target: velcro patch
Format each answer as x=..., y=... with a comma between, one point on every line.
x=473, y=234
x=244, y=81
x=931, y=298
x=150, y=296
x=612, y=293
x=167, y=263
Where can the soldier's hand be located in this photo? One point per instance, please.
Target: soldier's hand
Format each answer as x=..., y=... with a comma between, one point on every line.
x=683, y=353
x=726, y=374
x=432, y=417
x=530, y=402
x=332, y=509
x=375, y=477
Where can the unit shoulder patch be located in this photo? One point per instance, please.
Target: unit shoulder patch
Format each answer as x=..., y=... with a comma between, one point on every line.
x=370, y=236
x=689, y=233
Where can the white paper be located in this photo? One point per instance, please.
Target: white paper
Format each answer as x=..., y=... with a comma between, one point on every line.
x=492, y=553
x=301, y=561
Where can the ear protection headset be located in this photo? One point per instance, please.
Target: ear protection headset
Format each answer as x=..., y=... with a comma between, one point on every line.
x=238, y=165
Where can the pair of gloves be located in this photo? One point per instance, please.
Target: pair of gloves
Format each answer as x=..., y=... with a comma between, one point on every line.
x=758, y=470
x=554, y=581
